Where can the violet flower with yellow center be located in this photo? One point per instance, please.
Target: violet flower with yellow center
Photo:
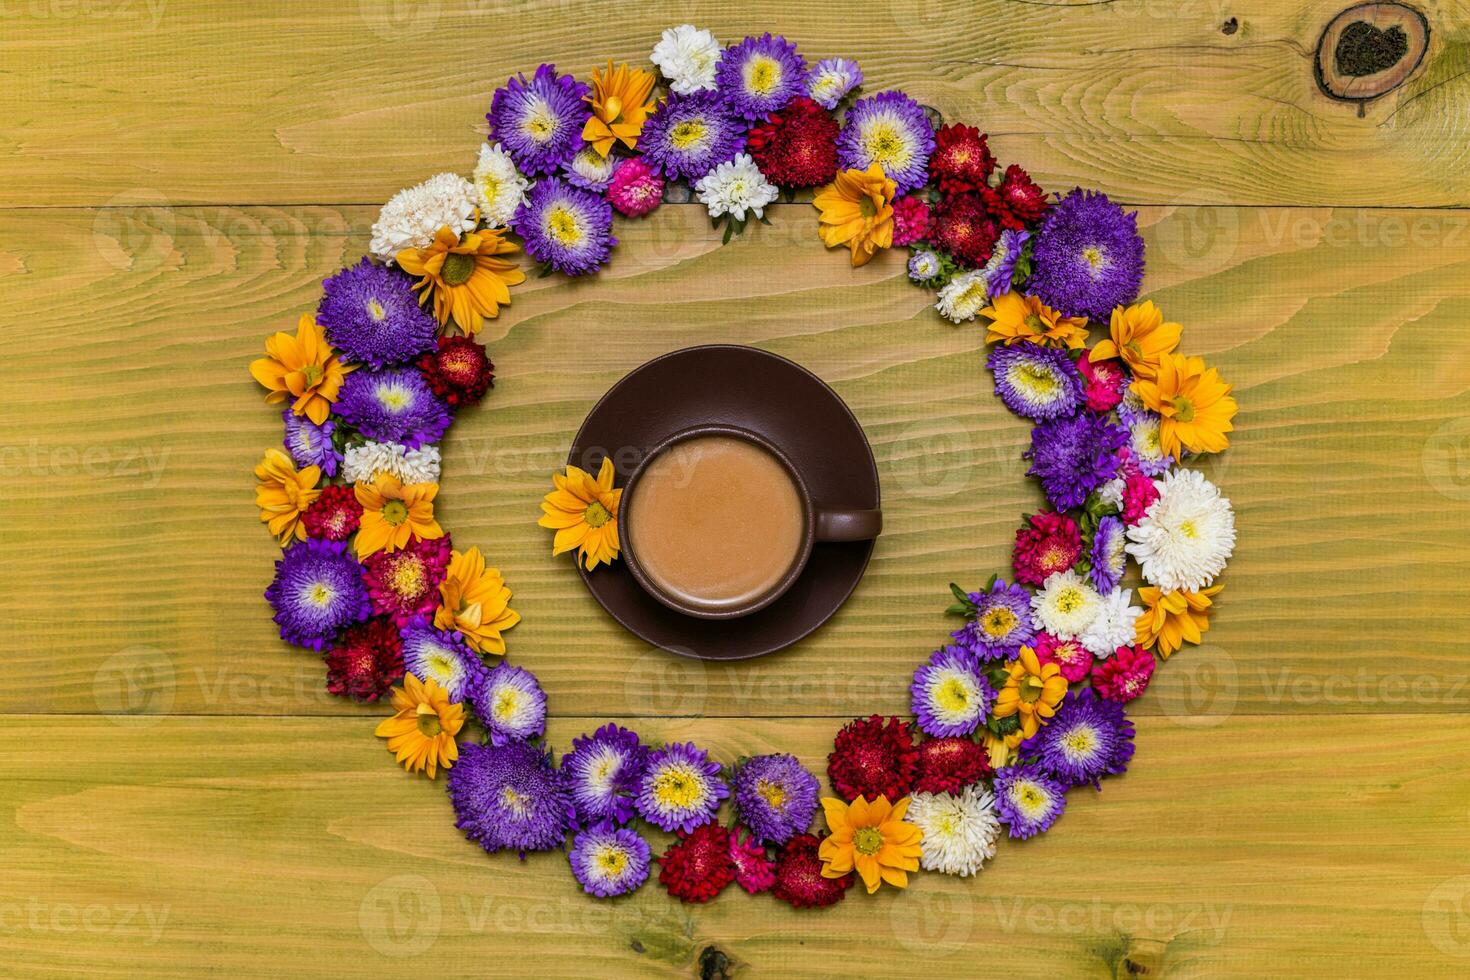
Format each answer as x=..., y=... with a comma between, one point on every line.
x=1032, y=691
x=1016, y=318
x=620, y=105
x=871, y=838
x=476, y=602
x=304, y=368
x=421, y=732
x=284, y=493
x=393, y=514
x=584, y=513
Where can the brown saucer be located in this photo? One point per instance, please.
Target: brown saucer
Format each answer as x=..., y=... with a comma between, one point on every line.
x=777, y=399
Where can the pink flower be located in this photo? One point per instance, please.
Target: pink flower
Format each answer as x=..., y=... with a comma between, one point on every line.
x=1048, y=544
x=1070, y=655
x=1104, y=383
x=1139, y=493
x=753, y=870
x=910, y=220
x=1124, y=675
x=635, y=189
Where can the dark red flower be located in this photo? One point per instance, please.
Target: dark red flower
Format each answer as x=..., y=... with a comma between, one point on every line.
x=964, y=228
x=1125, y=675
x=366, y=661
x=873, y=758
x=698, y=865
x=405, y=583
x=947, y=765
x=334, y=515
x=1048, y=543
x=799, y=876
x=796, y=147
x=460, y=372
x=1022, y=202
x=962, y=160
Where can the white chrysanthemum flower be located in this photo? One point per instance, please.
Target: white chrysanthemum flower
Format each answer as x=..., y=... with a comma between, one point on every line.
x=415, y=214
x=1066, y=605
x=1113, y=626
x=960, y=829
x=687, y=56
x=499, y=186
x=362, y=464
x=592, y=168
x=734, y=187
x=1187, y=535
x=1112, y=492
x=964, y=296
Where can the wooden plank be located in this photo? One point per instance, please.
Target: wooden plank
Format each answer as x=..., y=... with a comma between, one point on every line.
x=291, y=847
x=136, y=566
x=278, y=102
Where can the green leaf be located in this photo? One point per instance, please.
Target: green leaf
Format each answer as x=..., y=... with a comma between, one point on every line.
x=959, y=593
x=729, y=230
x=957, y=610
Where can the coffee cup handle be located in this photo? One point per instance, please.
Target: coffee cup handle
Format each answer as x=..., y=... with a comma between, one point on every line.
x=848, y=525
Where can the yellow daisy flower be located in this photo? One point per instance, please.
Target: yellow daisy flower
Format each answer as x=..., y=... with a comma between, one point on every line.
x=1140, y=336
x=393, y=514
x=1172, y=618
x=1016, y=318
x=421, y=732
x=466, y=276
x=283, y=493
x=584, y=514
x=857, y=211
x=620, y=106
x=1194, y=404
x=304, y=368
x=871, y=838
x=475, y=601
x=1032, y=690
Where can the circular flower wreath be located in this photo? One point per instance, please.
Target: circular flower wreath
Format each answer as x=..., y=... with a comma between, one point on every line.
x=1024, y=702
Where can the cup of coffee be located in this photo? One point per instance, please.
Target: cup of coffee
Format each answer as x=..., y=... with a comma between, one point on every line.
x=716, y=522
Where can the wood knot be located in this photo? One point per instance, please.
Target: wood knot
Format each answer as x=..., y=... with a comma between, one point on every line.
x=1369, y=50
x=1230, y=26
x=714, y=964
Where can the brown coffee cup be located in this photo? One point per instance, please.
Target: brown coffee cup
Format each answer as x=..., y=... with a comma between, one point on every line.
x=822, y=522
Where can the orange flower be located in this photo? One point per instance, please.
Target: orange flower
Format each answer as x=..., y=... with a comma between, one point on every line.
x=857, y=211
x=283, y=493
x=1015, y=318
x=1195, y=405
x=304, y=367
x=1033, y=690
x=1171, y=618
x=620, y=106
x=475, y=601
x=394, y=514
x=584, y=513
x=421, y=732
x=467, y=277
x=872, y=838
x=1140, y=336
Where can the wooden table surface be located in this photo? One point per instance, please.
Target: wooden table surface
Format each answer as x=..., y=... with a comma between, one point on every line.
x=180, y=796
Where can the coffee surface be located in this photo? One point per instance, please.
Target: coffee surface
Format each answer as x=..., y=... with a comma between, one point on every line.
x=715, y=522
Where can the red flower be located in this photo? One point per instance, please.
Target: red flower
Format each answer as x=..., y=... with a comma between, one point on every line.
x=947, y=765
x=753, y=869
x=911, y=220
x=698, y=865
x=1018, y=202
x=964, y=228
x=1048, y=544
x=799, y=876
x=1139, y=494
x=334, y=515
x=796, y=147
x=1104, y=382
x=873, y=758
x=1124, y=675
x=962, y=160
x=460, y=372
x=366, y=662
x=405, y=584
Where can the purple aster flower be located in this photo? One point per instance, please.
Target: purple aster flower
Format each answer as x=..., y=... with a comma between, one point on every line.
x=1075, y=456
x=775, y=796
x=590, y=170
x=889, y=129
x=393, y=405
x=603, y=771
x=1002, y=621
x=509, y=798
x=1001, y=269
x=1035, y=382
x=1088, y=256
x=566, y=227
x=1090, y=737
x=681, y=788
x=689, y=135
x=509, y=703
x=441, y=656
x=317, y=590
x=925, y=266
x=1147, y=452
x=310, y=444
x=1027, y=800
x=831, y=79
x=370, y=314
x=539, y=122
x=950, y=695
x=608, y=861
x=760, y=75
x=1107, y=555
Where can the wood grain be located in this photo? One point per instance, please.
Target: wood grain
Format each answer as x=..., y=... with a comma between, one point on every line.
x=183, y=796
